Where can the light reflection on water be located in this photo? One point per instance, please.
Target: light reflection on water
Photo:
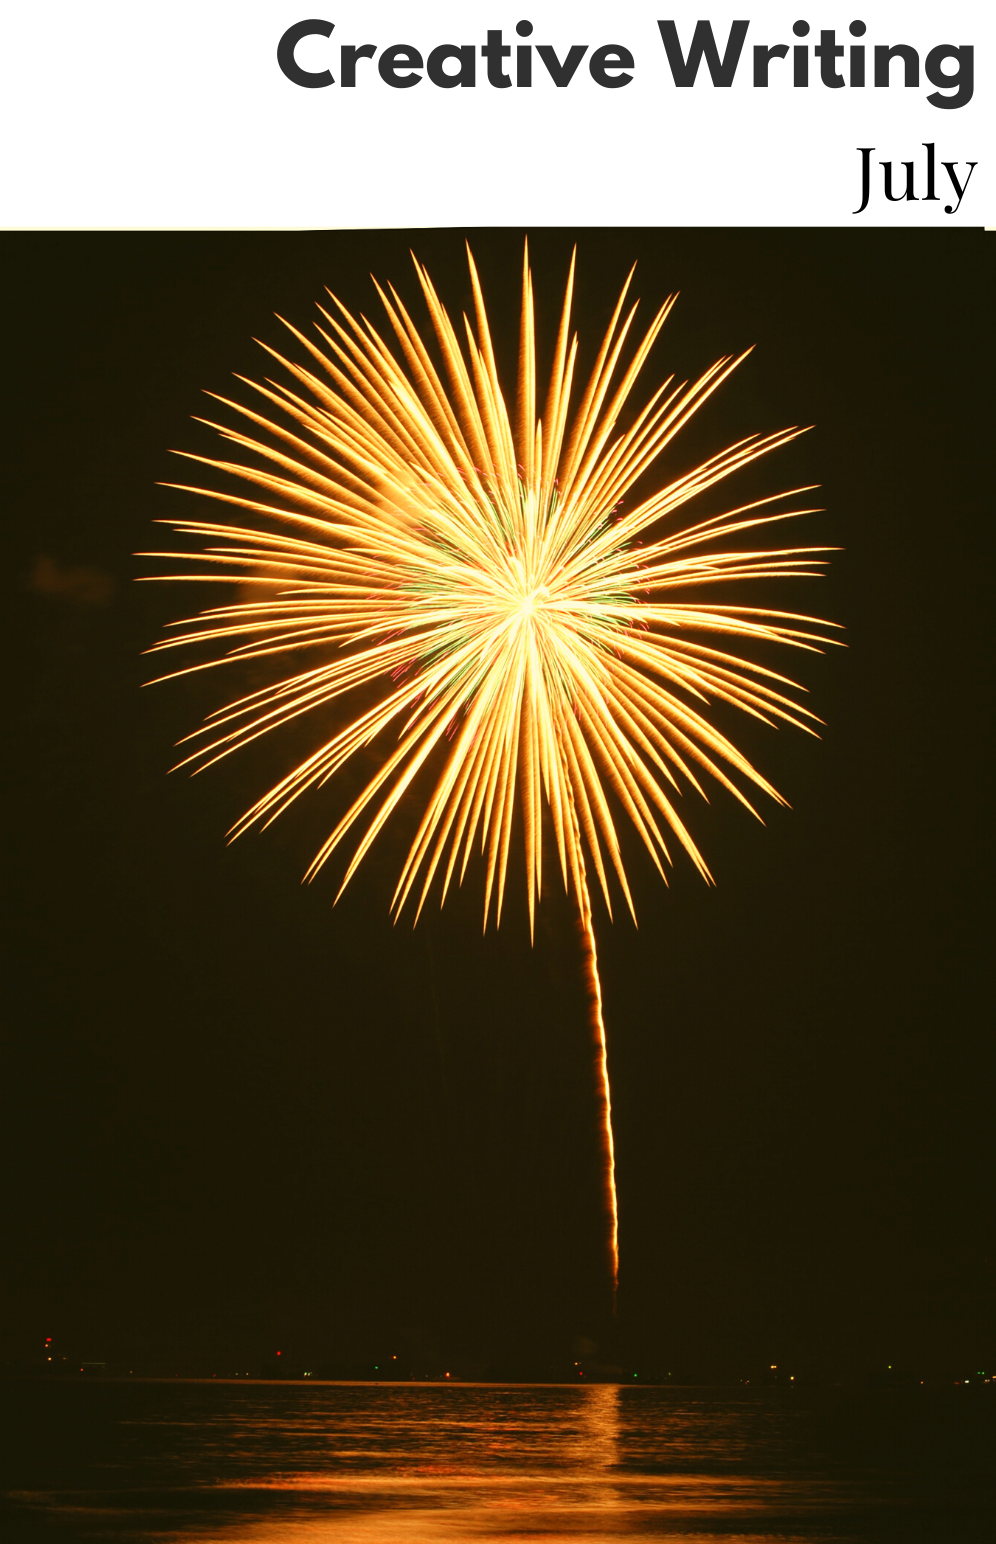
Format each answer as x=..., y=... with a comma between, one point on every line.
x=401, y=1464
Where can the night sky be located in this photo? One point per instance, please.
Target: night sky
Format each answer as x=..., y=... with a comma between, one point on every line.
x=236, y=1120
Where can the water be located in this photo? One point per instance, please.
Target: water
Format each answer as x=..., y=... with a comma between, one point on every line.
x=253, y=1463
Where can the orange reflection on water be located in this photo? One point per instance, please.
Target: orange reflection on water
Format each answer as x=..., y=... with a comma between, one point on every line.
x=580, y=1488
x=272, y=1463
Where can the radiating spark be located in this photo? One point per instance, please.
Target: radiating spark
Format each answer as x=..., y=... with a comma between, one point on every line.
x=527, y=639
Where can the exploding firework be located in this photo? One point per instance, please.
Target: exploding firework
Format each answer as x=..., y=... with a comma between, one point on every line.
x=529, y=643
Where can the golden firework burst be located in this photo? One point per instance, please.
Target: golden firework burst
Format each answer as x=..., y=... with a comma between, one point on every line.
x=529, y=643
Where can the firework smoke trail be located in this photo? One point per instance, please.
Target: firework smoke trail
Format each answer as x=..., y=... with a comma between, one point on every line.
x=522, y=643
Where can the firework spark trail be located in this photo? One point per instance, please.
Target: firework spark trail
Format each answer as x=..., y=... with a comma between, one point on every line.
x=603, y=1091
x=520, y=640
x=604, y=1094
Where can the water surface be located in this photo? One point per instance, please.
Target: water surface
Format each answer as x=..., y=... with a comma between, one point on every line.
x=256, y=1463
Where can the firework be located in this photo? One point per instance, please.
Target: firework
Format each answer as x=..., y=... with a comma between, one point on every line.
x=539, y=655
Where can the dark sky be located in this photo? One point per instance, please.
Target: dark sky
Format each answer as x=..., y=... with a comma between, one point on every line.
x=235, y=1119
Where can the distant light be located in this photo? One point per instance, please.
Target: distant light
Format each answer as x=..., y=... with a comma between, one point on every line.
x=774, y=1367
x=635, y=1375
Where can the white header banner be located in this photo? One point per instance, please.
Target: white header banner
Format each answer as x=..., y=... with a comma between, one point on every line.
x=302, y=113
